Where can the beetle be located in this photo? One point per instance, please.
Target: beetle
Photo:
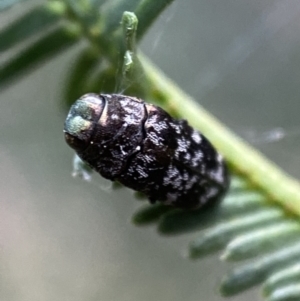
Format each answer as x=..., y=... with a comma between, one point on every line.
x=141, y=146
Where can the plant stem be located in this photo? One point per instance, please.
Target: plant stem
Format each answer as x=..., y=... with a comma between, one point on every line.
x=241, y=157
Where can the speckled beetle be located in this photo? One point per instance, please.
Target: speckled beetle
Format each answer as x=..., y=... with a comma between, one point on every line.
x=143, y=147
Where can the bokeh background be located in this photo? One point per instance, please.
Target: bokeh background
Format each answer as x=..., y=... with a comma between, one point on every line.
x=65, y=239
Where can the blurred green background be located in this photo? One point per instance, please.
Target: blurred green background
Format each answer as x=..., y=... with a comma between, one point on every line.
x=64, y=239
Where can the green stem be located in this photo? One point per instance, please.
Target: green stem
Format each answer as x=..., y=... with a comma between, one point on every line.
x=243, y=159
x=129, y=23
x=112, y=12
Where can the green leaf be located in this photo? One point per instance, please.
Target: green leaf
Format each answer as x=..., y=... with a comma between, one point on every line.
x=46, y=47
x=5, y=4
x=79, y=74
x=195, y=220
x=250, y=274
x=29, y=24
x=283, y=278
x=104, y=81
x=150, y=214
x=288, y=293
x=216, y=237
x=262, y=240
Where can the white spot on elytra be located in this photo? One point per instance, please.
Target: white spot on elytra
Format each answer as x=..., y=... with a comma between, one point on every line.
x=190, y=182
x=122, y=150
x=182, y=145
x=187, y=156
x=198, y=156
x=142, y=173
x=218, y=175
x=196, y=137
x=152, y=120
x=173, y=178
x=148, y=159
x=176, y=127
x=219, y=158
x=160, y=126
x=154, y=138
x=129, y=119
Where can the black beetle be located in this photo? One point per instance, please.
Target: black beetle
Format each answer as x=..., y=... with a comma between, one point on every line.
x=143, y=147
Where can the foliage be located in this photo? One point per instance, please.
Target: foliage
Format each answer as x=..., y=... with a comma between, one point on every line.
x=259, y=219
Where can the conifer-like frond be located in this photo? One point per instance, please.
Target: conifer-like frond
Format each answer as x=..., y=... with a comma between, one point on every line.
x=257, y=226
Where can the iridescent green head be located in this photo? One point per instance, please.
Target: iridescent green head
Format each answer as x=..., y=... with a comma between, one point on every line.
x=81, y=120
